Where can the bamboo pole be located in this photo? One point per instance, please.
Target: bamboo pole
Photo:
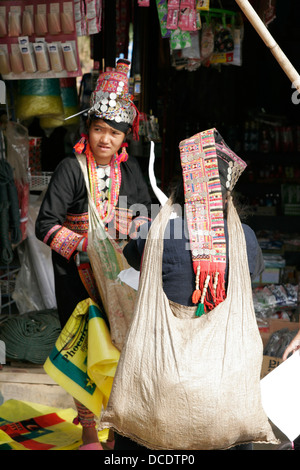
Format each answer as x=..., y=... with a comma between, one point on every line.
x=270, y=42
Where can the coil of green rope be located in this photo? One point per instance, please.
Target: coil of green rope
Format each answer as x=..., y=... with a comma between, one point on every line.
x=31, y=336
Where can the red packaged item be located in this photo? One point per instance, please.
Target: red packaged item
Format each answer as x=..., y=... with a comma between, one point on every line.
x=173, y=4
x=187, y=20
x=172, y=19
x=188, y=4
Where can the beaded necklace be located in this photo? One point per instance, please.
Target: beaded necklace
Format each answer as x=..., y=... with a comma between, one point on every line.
x=106, y=208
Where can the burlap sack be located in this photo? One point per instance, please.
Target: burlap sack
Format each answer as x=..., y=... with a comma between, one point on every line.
x=190, y=383
x=107, y=260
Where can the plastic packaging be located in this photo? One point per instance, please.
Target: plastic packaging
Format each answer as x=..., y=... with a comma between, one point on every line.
x=67, y=22
x=3, y=28
x=41, y=56
x=14, y=24
x=18, y=156
x=54, y=23
x=4, y=62
x=279, y=341
x=16, y=61
x=55, y=55
x=27, y=23
x=34, y=289
x=40, y=23
x=69, y=57
x=27, y=53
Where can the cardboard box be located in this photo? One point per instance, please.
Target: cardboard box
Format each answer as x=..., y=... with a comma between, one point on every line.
x=269, y=363
x=272, y=325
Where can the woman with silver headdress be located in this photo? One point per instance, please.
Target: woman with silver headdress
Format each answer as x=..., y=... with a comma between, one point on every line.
x=63, y=222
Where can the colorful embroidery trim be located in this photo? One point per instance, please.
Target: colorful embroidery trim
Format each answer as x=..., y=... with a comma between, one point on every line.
x=65, y=242
x=204, y=212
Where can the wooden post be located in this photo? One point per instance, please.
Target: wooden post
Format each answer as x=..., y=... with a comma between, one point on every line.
x=270, y=42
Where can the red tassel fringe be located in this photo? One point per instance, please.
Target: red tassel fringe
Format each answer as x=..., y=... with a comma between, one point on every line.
x=212, y=299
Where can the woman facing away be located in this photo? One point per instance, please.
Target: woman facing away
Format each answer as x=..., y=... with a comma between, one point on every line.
x=198, y=237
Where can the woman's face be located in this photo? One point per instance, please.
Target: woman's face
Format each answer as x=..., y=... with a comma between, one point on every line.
x=104, y=141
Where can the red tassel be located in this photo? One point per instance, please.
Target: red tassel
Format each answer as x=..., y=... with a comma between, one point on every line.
x=123, y=156
x=196, y=296
x=136, y=124
x=78, y=147
x=220, y=292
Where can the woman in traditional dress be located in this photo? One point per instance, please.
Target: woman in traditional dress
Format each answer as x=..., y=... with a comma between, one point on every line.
x=195, y=256
x=63, y=222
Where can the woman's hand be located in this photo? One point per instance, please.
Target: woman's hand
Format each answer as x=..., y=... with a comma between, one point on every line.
x=292, y=347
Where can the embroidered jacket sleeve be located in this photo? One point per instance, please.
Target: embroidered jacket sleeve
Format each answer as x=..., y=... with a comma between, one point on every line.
x=65, y=196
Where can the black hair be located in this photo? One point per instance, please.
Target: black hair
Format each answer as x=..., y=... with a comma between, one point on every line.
x=120, y=126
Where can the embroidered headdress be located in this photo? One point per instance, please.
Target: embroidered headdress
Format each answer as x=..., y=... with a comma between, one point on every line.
x=208, y=164
x=111, y=102
x=111, y=99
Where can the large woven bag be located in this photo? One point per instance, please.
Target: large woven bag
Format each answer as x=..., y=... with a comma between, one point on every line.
x=184, y=382
x=107, y=261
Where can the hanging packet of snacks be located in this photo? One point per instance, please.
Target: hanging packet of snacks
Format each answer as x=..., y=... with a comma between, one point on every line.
x=3, y=27
x=162, y=10
x=30, y=30
x=227, y=43
x=187, y=20
x=238, y=34
x=180, y=39
x=173, y=14
x=207, y=43
x=192, y=53
x=202, y=5
x=93, y=16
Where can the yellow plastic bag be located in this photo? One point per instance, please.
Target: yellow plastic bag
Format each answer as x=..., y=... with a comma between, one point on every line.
x=30, y=426
x=84, y=360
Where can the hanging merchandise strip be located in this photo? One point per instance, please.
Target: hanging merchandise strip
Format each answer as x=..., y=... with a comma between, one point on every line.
x=220, y=32
x=38, y=39
x=88, y=16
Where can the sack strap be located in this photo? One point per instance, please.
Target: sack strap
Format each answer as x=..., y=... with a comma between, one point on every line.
x=153, y=252
x=93, y=213
x=239, y=281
